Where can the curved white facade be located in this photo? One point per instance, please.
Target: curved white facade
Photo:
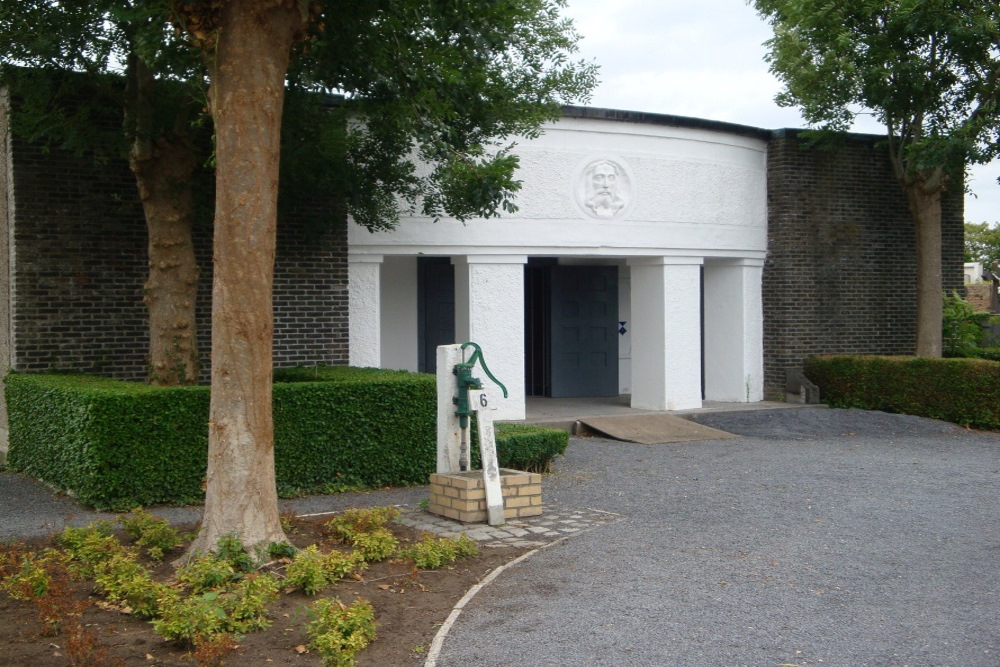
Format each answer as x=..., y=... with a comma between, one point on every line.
x=678, y=210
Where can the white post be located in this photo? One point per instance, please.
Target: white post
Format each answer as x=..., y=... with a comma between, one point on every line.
x=449, y=434
x=479, y=401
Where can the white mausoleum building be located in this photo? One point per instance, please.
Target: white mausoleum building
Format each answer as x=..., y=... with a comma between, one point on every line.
x=633, y=266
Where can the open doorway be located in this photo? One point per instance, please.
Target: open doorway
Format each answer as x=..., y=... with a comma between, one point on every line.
x=571, y=325
x=435, y=309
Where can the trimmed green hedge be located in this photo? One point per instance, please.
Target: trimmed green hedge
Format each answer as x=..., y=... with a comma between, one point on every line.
x=525, y=447
x=117, y=445
x=962, y=391
x=112, y=444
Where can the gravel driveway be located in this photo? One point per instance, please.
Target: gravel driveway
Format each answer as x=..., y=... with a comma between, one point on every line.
x=833, y=537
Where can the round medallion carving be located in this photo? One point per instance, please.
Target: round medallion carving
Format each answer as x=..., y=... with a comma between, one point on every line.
x=604, y=189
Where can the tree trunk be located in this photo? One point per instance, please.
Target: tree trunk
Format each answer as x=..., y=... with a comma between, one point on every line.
x=248, y=68
x=163, y=170
x=924, y=195
x=164, y=178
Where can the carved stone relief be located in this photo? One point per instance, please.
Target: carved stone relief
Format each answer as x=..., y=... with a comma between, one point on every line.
x=604, y=189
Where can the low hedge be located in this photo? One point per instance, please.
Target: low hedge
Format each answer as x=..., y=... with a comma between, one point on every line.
x=962, y=391
x=526, y=447
x=113, y=445
x=116, y=445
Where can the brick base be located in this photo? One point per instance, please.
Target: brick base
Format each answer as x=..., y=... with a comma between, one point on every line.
x=462, y=496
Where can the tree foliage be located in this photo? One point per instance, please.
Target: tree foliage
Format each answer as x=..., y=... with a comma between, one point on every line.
x=928, y=70
x=982, y=244
x=87, y=51
x=448, y=82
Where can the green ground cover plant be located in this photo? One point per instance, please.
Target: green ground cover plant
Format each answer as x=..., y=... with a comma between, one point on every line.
x=214, y=601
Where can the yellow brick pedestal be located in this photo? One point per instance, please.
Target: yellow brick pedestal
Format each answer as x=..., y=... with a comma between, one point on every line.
x=462, y=495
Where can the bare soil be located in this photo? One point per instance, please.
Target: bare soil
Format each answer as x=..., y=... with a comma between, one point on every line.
x=410, y=606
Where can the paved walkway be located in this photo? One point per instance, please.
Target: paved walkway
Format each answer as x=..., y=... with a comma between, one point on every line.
x=531, y=532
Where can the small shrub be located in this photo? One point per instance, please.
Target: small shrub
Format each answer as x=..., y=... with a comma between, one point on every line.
x=191, y=619
x=207, y=572
x=338, y=632
x=961, y=327
x=90, y=546
x=123, y=579
x=307, y=571
x=32, y=578
x=355, y=521
x=526, y=447
x=151, y=533
x=29, y=580
x=44, y=580
x=83, y=648
x=376, y=545
x=277, y=550
x=246, y=604
x=311, y=570
x=230, y=549
x=213, y=651
x=340, y=565
x=433, y=552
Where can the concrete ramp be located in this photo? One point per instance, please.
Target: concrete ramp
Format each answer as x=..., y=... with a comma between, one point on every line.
x=653, y=428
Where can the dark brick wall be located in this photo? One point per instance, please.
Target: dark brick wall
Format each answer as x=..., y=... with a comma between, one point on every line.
x=840, y=269
x=80, y=263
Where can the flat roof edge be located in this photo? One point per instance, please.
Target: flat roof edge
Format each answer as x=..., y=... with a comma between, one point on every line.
x=600, y=113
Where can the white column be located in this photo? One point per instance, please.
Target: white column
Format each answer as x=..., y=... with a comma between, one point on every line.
x=734, y=330
x=666, y=333
x=489, y=310
x=364, y=299
x=449, y=431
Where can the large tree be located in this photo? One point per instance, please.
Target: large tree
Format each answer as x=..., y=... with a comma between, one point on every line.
x=72, y=66
x=928, y=70
x=442, y=80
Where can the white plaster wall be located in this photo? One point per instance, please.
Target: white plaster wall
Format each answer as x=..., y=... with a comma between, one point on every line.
x=399, y=313
x=693, y=192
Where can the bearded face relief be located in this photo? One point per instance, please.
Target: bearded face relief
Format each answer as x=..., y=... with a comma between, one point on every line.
x=605, y=189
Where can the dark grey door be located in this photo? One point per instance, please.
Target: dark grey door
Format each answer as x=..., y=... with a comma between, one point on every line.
x=435, y=309
x=584, y=330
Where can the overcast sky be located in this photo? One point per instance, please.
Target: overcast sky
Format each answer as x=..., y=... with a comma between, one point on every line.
x=705, y=59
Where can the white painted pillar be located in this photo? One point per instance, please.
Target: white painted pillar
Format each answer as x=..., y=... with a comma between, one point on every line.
x=489, y=310
x=734, y=330
x=449, y=431
x=666, y=333
x=364, y=308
